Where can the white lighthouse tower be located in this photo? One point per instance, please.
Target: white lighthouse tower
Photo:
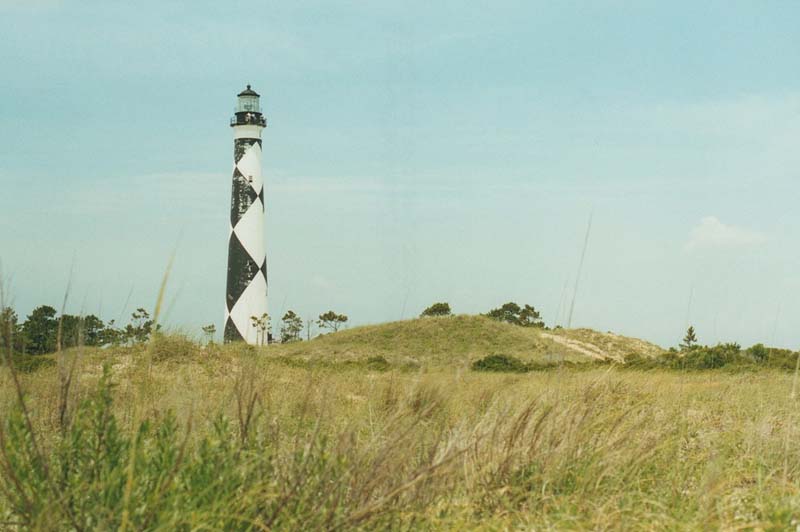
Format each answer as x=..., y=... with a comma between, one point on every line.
x=246, y=295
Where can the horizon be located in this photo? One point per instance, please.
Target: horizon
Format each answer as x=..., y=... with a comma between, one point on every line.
x=413, y=155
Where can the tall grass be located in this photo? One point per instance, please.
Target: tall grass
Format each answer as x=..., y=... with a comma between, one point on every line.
x=230, y=438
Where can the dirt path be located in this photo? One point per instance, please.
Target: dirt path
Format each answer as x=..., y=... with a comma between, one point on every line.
x=581, y=347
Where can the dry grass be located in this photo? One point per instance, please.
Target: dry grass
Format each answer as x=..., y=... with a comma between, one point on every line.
x=612, y=345
x=458, y=341
x=448, y=449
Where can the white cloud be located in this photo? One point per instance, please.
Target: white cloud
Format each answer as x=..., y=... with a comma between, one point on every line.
x=711, y=233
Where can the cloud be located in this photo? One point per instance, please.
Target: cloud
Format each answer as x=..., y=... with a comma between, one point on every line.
x=711, y=233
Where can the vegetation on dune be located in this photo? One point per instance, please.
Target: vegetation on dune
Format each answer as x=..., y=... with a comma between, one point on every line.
x=44, y=331
x=381, y=427
x=512, y=313
x=159, y=475
x=291, y=327
x=262, y=325
x=501, y=363
x=331, y=321
x=456, y=341
x=227, y=439
x=615, y=346
x=729, y=356
x=437, y=310
x=690, y=340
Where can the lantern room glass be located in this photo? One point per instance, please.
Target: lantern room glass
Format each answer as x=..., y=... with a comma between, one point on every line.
x=248, y=103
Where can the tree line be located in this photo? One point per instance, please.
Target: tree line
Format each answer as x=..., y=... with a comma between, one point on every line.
x=524, y=316
x=293, y=328
x=44, y=331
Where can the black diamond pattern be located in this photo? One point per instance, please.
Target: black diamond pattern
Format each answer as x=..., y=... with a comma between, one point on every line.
x=240, y=145
x=242, y=196
x=241, y=270
x=231, y=333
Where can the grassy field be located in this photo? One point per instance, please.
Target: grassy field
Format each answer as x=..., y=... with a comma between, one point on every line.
x=320, y=436
x=458, y=340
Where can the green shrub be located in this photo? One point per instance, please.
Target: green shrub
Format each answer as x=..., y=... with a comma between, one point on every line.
x=501, y=363
x=377, y=363
x=635, y=360
x=437, y=309
x=512, y=313
x=25, y=363
x=97, y=476
x=758, y=353
x=781, y=358
x=729, y=356
x=710, y=357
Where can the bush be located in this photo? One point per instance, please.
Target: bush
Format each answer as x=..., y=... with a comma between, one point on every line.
x=729, y=356
x=437, y=309
x=637, y=361
x=99, y=476
x=501, y=363
x=705, y=359
x=758, y=353
x=712, y=357
x=377, y=363
x=29, y=363
x=512, y=313
x=780, y=358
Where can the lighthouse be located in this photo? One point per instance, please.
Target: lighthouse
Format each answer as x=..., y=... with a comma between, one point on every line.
x=246, y=294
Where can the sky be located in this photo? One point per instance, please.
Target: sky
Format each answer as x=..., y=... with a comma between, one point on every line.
x=416, y=152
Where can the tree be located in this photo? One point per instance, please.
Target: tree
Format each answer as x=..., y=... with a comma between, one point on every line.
x=508, y=313
x=40, y=329
x=10, y=330
x=110, y=334
x=759, y=353
x=81, y=330
x=210, y=330
x=437, y=309
x=331, y=320
x=530, y=317
x=139, y=329
x=70, y=331
x=93, y=328
x=690, y=340
x=512, y=313
x=262, y=326
x=291, y=326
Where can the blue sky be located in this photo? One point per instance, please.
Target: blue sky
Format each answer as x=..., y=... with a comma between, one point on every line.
x=416, y=153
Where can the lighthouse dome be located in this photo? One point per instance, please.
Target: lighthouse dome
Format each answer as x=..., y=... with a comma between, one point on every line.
x=248, y=92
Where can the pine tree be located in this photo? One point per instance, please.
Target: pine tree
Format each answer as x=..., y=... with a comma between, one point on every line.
x=331, y=320
x=291, y=326
x=209, y=331
x=690, y=340
x=40, y=330
x=437, y=309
